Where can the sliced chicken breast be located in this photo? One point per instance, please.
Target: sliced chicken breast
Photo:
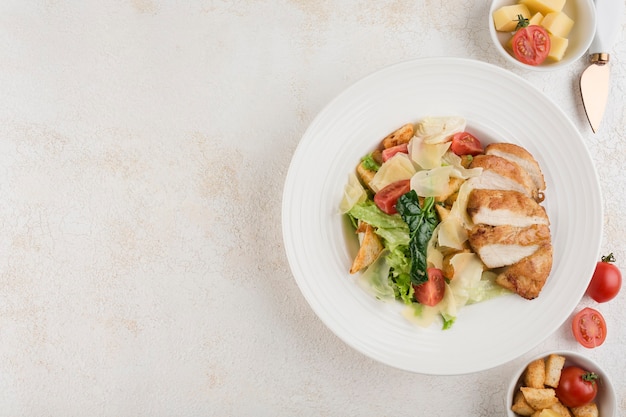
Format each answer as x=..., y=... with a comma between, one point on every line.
x=502, y=207
x=528, y=276
x=502, y=174
x=499, y=246
x=521, y=157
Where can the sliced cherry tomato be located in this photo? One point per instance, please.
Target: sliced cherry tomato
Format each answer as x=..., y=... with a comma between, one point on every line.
x=387, y=198
x=431, y=292
x=531, y=45
x=464, y=143
x=589, y=328
x=577, y=387
x=389, y=152
x=606, y=280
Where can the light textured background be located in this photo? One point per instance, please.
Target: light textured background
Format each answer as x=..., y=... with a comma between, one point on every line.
x=143, y=149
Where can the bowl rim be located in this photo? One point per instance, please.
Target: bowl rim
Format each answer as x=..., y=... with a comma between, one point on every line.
x=541, y=68
x=574, y=358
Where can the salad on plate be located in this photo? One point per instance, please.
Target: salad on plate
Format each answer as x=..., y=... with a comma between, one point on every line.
x=444, y=222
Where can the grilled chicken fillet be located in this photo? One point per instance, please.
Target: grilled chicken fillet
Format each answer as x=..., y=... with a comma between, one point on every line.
x=502, y=174
x=528, y=276
x=521, y=157
x=499, y=246
x=504, y=207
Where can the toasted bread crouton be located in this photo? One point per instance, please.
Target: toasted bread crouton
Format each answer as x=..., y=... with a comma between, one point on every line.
x=546, y=412
x=365, y=174
x=370, y=249
x=588, y=410
x=554, y=365
x=399, y=136
x=454, y=184
x=520, y=406
x=561, y=409
x=535, y=374
x=442, y=212
x=539, y=398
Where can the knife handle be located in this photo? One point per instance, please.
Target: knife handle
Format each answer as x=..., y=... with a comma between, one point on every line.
x=608, y=15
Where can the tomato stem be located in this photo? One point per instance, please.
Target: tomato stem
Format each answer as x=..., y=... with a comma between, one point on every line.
x=590, y=377
x=608, y=258
x=522, y=22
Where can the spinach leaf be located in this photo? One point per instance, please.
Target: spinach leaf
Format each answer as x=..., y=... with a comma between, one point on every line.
x=422, y=222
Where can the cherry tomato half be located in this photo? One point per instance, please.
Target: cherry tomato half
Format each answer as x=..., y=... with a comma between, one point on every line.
x=431, y=292
x=531, y=45
x=387, y=198
x=464, y=143
x=389, y=152
x=577, y=387
x=589, y=328
x=606, y=280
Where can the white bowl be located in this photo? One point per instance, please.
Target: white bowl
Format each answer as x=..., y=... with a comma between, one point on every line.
x=583, y=13
x=605, y=400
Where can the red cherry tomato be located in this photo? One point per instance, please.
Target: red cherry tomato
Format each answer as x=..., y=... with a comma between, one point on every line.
x=389, y=152
x=577, y=387
x=606, y=280
x=464, y=143
x=387, y=198
x=531, y=45
x=431, y=292
x=589, y=328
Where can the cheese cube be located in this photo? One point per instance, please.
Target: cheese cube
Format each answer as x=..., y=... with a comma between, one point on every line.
x=558, y=23
x=536, y=19
x=544, y=6
x=505, y=18
x=558, y=45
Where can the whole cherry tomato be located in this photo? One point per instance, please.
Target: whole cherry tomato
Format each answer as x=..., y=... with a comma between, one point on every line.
x=577, y=387
x=606, y=280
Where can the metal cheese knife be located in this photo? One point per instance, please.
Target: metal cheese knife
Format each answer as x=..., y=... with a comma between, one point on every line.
x=594, y=81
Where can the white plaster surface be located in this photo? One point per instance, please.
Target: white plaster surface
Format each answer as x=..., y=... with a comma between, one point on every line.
x=143, y=150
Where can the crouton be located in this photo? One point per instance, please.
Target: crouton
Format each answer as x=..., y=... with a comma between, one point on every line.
x=539, y=398
x=535, y=374
x=371, y=248
x=442, y=212
x=546, y=412
x=402, y=135
x=454, y=184
x=561, y=409
x=520, y=406
x=365, y=174
x=588, y=410
x=554, y=365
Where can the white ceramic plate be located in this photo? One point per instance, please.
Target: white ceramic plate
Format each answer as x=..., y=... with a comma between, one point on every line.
x=499, y=107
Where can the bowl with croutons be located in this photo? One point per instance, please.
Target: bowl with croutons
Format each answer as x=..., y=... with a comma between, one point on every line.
x=561, y=384
x=542, y=35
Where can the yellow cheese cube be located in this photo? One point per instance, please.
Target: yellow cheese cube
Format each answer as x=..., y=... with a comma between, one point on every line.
x=536, y=19
x=558, y=23
x=558, y=45
x=544, y=6
x=505, y=18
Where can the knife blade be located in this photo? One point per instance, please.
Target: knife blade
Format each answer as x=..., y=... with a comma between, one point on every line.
x=594, y=81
